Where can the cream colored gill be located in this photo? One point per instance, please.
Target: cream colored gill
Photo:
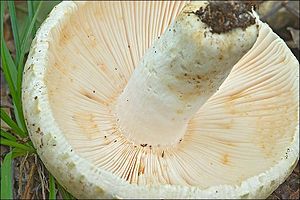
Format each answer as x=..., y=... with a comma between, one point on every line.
x=250, y=120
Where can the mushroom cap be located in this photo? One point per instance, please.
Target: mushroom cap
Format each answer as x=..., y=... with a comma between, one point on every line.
x=243, y=142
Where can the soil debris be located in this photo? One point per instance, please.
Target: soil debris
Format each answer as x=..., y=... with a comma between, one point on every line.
x=223, y=16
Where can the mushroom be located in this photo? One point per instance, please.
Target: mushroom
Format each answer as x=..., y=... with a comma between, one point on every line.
x=156, y=100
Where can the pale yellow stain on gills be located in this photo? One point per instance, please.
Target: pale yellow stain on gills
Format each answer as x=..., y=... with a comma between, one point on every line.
x=225, y=159
x=276, y=128
x=65, y=36
x=231, y=100
x=102, y=67
x=94, y=97
x=225, y=125
x=87, y=124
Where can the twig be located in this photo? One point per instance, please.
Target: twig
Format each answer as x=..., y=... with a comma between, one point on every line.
x=4, y=105
x=20, y=183
x=26, y=194
x=41, y=175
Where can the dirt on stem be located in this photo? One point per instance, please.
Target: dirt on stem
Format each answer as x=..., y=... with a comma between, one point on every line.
x=223, y=16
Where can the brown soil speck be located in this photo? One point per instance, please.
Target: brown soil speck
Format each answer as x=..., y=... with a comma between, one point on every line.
x=42, y=143
x=38, y=130
x=223, y=16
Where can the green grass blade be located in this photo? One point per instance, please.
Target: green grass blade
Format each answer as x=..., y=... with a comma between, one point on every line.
x=7, y=135
x=10, y=65
x=10, y=75
x=26, y=24
x=21, y=67
x=2, y=16
x=30, y=8
x=23, y=46
x=6, y=177
x=4, y=50
x=7, y=63
x=19, y=119
x=11, y=123
x=10, y=143
x=18, y=152
x=52, y=190
x=13, y=19
x=30, y=143
x=63, y=192
x=7, y=73
x=11, y=81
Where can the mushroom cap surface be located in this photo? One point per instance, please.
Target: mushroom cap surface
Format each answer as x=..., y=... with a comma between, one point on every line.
x=243, y=141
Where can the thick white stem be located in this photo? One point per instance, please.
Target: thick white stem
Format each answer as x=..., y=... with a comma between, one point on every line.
x=176, y=76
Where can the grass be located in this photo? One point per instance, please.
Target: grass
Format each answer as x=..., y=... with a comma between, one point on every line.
x=52, y=190
x=16, y=137
x=6, y=177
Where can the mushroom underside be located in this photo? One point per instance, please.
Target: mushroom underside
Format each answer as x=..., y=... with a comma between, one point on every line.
x=242, y=130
